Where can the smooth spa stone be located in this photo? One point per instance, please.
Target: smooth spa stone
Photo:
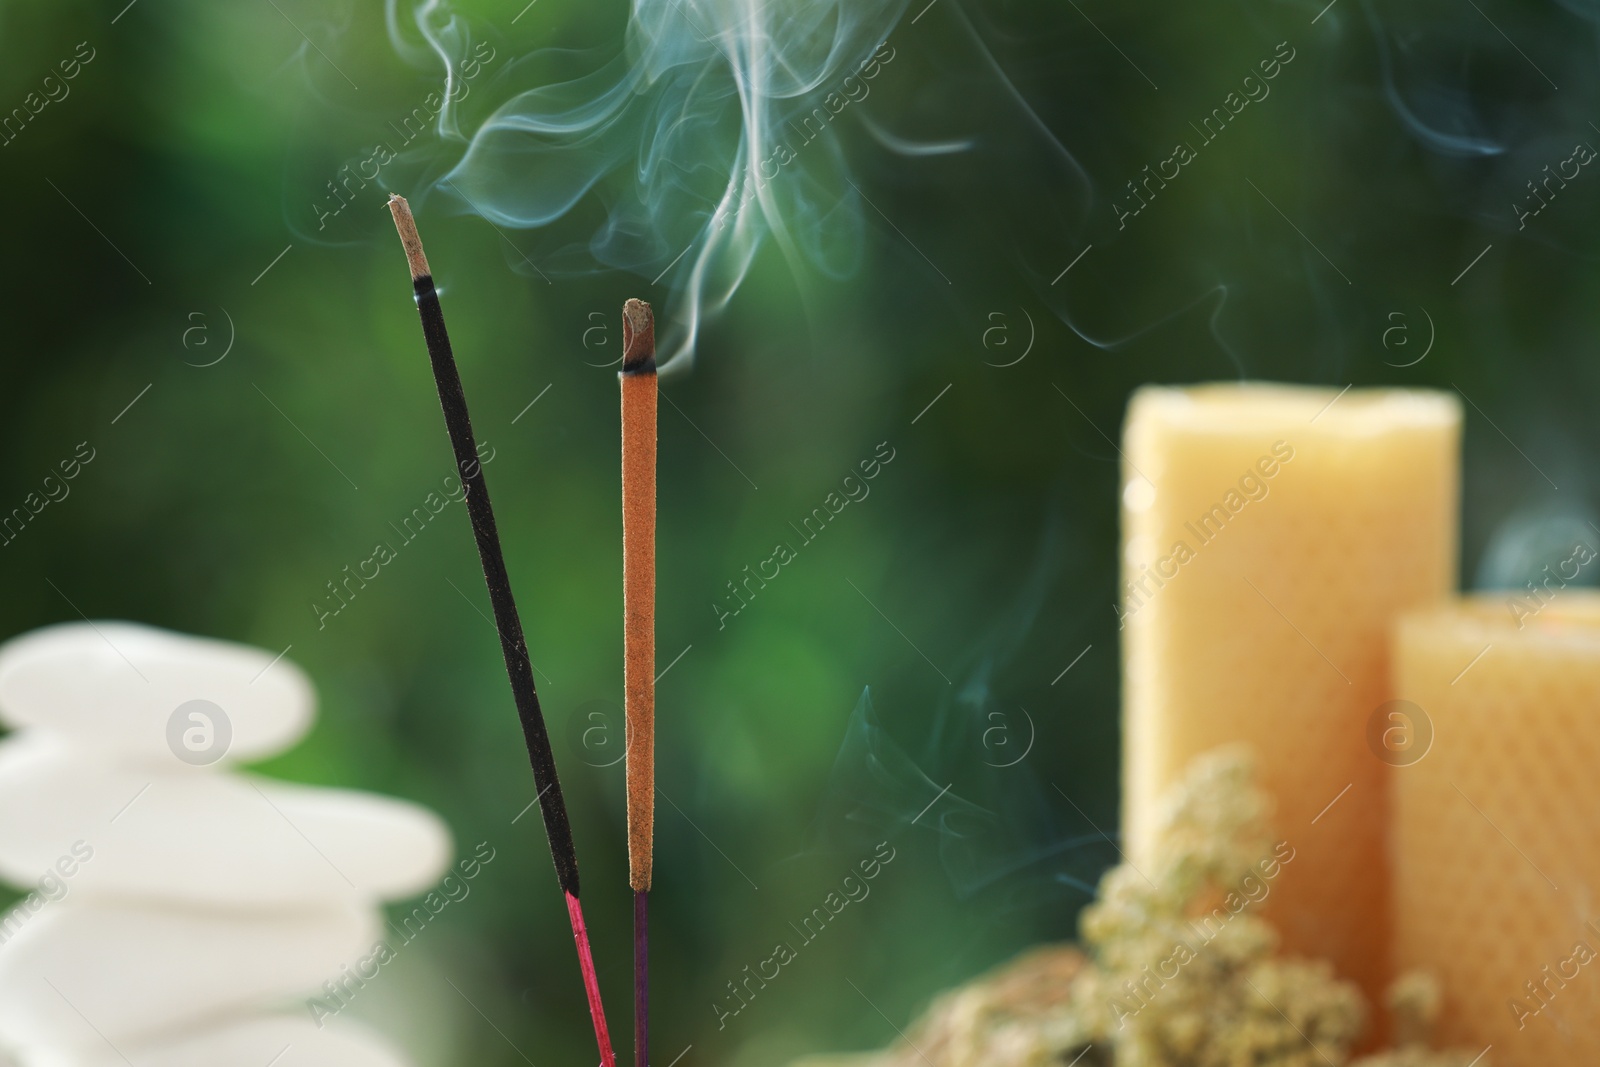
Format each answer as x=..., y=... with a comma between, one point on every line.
x=90, y=827
x=1271, y=534
x=275, y=1040
x=138, y=973
x=117, y=685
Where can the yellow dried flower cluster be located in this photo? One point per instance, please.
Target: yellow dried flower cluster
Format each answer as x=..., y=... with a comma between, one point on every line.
x=1180, y=971
x=1414, y=1002
x=1186, y=975
x=1020, y=1016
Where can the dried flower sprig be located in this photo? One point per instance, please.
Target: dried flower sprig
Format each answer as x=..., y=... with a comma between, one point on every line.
x=1180, y=971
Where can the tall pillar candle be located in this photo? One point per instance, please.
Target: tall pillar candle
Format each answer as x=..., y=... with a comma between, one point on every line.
x=1271, y=535
x=1497, y=829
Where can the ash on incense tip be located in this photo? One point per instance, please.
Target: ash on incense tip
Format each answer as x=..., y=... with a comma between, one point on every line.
x=638, y=338
x=409, y=239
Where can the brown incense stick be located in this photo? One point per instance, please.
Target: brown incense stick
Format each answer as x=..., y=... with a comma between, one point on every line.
x=513, y=646
x=639, y=633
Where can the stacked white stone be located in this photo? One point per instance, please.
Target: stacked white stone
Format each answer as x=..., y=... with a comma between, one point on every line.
x=179, y=913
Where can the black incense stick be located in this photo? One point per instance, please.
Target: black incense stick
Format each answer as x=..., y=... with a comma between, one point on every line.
x=513, y=646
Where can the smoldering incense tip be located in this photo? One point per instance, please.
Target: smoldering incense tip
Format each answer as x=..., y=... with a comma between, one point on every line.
x=408, y=237
x=638, y=338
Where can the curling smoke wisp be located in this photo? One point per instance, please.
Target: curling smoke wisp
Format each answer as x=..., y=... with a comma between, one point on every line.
x=679, y=157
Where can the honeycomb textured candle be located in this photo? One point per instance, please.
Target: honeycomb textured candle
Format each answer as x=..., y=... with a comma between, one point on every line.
x=1271, y=534
x=1496, y=861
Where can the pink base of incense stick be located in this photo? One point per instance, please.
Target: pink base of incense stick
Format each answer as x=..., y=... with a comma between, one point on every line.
x=591, y=984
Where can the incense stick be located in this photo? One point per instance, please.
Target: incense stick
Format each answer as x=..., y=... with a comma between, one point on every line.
x=513, y=646
x=639, y=634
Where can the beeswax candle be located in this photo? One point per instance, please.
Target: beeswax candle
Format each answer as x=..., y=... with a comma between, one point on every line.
x=1496, y=830
x=1271, y=535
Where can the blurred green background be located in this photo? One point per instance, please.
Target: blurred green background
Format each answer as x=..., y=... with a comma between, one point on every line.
x=163, y=208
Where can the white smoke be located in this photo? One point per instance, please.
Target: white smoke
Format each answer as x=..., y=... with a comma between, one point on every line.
x=706, y=135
